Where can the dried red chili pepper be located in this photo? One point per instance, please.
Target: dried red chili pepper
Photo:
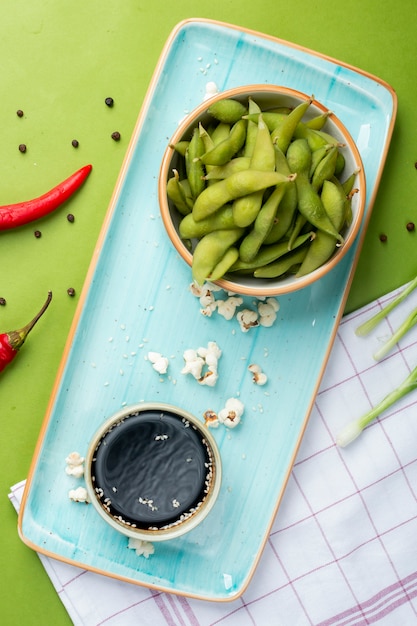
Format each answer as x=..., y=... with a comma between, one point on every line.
x=21, y=213
x=11, y=342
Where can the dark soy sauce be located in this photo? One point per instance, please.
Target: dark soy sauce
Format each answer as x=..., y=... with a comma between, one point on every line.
x=151, y=469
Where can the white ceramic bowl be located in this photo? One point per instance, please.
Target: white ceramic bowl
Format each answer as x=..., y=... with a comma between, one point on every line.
x=153, y=471
x=267, y=97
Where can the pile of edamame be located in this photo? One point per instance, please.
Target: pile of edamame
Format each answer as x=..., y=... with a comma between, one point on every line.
x=260, y=191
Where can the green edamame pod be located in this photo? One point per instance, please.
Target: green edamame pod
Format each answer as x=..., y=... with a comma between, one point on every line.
x=180, y=194
x=227, y=110
x=299, y=223
x=206, y=138
x=347, y=191
x=245, y=209
x=180, y=147
x=271, y=119
x=251, y=130
x=219, y=133
x=349, y=182
x=288, y=205
x=193, y=165
x=220, y=172
x=210, y=250
x=317, y=156
x=286, y=264
x=299, y=157
x=315, y=138
x=340, y=164
x=311, y=207
x=283, y=134
x=220, y=220
x=269, y=254
x=325, y=169
x=208, y=144
x=226, y=149
x=324, y=245
x=317, y=122
x=224, y=265
x=250, y=245
x=333, y=197
x=328, y=138
x=282, y=224
x=309, y=202
x=237, y=185
x=283, y=110
x=263, y=156
x=348, y=207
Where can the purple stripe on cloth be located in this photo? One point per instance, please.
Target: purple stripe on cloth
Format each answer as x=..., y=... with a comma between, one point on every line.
x=380, y=605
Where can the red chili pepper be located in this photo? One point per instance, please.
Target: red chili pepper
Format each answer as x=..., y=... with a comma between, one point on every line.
x=11, y=342
x=21, y=213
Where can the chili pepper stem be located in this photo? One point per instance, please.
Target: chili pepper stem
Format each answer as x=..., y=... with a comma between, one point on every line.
x=354, y=428
x=17, y=337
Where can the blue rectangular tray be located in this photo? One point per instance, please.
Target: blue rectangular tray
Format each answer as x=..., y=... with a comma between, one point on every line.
x=136, y=298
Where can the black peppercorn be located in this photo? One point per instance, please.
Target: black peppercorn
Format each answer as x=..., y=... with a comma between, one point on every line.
x=2, y=301
x=410, y=226
x=70, y=218
x=37, y=234
x=75, y=143
x=109, y=102
x=115, y=136
x=71, y=291
x=383, y=238
x=19, y=113
x=22, y=147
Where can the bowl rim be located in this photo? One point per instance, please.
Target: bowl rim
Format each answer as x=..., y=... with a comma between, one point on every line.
x=178, y=529
x=276, y=288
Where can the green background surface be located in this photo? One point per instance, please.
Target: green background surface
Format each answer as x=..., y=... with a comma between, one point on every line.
x=59, y=60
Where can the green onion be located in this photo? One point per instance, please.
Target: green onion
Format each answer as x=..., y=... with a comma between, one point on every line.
x=354, y=428
x=407, y=325
x=370, y=324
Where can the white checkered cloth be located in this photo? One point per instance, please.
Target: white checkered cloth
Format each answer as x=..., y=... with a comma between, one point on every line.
x=343, y=549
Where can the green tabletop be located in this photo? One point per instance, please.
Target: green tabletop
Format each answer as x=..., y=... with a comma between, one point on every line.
x=59, y=61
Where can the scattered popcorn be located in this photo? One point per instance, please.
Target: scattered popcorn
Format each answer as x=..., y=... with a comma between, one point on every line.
x=211, y=354
x=228, y=307
x=211, y=419
x=159, y=363
x=78, y=495
x=74, y=459
x=247, y=319
x=75, y=470
x=207, y=301
x=258, y=375
x=193, y=364
x=75, y=465
x=209, y=378
x=196, y=360
x=268, y=312
x=265, y=315
x=232, y=412
x=141, y=547
x=199, y=290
